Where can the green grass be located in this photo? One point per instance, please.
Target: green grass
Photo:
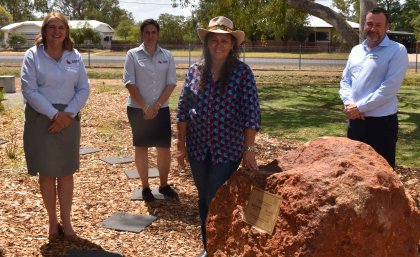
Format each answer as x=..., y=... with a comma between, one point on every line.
x=303, y=105
x=301, y=112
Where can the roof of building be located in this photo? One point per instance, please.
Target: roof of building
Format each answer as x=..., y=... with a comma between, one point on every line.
x=315, y=22
x=74, y=24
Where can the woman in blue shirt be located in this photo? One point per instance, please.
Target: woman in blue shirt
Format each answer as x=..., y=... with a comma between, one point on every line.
x=218, y=114
x=55, y=87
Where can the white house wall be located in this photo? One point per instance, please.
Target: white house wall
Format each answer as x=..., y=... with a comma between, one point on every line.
x=30, y=31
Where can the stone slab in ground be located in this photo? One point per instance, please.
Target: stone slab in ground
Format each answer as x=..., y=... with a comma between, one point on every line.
x=133, y=174
x=117, y=160
x=127, y=222
x=83, y=151
x=2, y=141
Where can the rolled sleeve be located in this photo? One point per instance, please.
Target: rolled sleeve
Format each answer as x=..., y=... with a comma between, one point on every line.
x=129, y=76
x=171, y=75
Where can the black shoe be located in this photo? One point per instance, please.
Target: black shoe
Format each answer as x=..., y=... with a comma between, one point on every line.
x=147, y=195
x=168, y=192
x=202, y=254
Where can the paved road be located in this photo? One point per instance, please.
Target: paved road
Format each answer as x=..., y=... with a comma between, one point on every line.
x=185, y=61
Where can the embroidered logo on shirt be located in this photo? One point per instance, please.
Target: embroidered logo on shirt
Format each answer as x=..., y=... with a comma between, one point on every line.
x=72, y=61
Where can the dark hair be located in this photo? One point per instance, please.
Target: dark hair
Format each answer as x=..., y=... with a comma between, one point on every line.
x=149, y=22
x=228, y=66
x=378, y=10
x=68, y=42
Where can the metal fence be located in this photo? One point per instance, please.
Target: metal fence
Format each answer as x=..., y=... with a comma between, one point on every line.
x=322, y=57
x=276, y=58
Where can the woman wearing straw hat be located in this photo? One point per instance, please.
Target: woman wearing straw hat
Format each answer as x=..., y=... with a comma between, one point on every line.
x=218, y=114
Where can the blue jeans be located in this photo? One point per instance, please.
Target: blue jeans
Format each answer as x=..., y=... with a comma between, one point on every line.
x=208, y=179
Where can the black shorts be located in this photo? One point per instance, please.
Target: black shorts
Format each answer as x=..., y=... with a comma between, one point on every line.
x=150, y=133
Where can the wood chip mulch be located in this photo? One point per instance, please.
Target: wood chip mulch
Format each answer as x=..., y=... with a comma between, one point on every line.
x=102, y=189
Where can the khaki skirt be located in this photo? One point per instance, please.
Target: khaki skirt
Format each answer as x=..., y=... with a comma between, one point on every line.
x=50, y=154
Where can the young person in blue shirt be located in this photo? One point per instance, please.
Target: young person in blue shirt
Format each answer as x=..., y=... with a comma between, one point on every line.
x=150, y=77
x=373, y=75
x=55, y=87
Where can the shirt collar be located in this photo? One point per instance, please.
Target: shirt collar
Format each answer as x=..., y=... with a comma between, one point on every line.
x=143, y=49
x=385, y=42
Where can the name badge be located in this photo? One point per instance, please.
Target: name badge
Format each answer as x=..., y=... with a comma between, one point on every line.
x=372, y=56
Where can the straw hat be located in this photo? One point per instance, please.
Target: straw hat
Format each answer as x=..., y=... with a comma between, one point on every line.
x=221, y=24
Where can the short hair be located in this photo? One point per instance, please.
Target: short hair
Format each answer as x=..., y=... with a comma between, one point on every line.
x=149, y=22
x=68, y=42
x=378, y=10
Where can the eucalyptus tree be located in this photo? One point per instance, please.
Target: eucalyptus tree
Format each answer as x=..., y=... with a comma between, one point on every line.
x=409, y=14
x=107, y=11
x=5, y=17
x=20, y=10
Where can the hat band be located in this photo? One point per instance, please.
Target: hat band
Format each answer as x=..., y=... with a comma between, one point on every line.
x=222, y=27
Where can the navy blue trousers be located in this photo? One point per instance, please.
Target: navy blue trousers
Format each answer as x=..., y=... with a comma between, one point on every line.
x=379, y=132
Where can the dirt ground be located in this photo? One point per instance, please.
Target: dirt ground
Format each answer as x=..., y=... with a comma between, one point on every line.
x=102, y=189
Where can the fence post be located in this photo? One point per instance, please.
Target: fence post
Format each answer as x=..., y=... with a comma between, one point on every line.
x=189, y=54
x=417, y=54
x=300, y=56
x=244, y=51
x=89, y=54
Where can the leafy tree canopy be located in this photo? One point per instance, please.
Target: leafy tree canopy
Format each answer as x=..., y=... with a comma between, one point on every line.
x=5, y=17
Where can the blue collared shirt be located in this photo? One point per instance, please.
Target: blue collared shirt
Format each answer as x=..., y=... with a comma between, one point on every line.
x=372, y=78
x=46, y=81
x=150, y=74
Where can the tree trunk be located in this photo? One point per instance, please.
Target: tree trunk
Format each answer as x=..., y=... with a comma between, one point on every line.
x=328, y=15
x=365, y=6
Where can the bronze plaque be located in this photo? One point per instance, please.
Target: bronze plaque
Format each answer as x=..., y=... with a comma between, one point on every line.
x=262, y=210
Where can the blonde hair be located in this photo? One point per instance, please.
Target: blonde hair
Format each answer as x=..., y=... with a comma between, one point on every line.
x=68, y=42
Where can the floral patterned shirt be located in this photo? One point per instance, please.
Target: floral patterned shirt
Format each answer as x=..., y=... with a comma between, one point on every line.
x=217, y=114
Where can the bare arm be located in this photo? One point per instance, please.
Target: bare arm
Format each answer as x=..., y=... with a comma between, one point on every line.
x=163, y=98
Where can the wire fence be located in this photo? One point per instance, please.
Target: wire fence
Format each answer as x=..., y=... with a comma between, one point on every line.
x=321, y=57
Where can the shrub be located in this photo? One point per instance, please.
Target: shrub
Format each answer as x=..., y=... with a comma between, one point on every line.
x=15, y=40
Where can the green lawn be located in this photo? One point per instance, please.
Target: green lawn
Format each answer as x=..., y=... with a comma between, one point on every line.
x=303, y=105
